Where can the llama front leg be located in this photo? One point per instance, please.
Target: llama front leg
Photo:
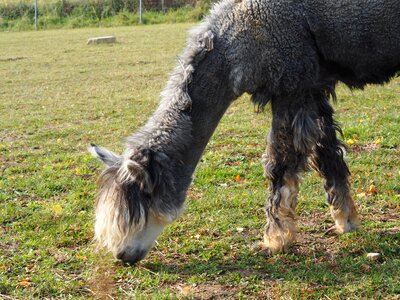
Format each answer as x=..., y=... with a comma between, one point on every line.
x=280, y=230
x=295, y=131
x=283, y=163
x=327, y=159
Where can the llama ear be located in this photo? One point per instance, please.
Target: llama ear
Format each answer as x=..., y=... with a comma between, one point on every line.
x=106, y=156
x=206, y=40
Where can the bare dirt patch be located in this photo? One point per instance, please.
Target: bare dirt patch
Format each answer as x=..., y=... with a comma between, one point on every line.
x=101, y=284
x=206, y=291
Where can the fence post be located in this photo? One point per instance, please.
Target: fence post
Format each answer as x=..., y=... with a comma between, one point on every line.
x=36, y=12
x=140, y=11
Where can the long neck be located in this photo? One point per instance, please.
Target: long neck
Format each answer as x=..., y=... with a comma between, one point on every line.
x=211, y=97
x=194, y=101
x=209, y=102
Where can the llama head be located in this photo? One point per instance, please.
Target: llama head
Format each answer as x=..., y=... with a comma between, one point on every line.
x=132, y=207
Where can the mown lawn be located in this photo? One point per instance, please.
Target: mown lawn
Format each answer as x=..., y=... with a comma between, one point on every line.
x=58, y=94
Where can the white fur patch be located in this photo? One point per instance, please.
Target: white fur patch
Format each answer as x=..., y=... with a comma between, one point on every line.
x=110, y=232
x=112, y=229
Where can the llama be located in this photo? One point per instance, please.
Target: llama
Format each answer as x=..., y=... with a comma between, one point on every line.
x=288, y=53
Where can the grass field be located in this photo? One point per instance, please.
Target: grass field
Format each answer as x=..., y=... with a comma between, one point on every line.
x=58, y=94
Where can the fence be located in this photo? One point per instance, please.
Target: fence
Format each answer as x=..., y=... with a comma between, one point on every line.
x=167, y=4
x=14, y=9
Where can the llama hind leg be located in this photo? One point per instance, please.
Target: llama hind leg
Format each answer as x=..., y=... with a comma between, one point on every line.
x=327, y=159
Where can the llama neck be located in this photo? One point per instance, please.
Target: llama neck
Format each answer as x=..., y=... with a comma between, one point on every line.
x=194, y=101
x=209, y=102
x=210, y=99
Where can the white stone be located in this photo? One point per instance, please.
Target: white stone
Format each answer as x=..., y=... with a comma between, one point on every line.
x=373, y=256
x=102, y=40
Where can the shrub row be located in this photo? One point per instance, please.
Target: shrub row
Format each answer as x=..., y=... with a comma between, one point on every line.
x=98, y=9
x=86, y=13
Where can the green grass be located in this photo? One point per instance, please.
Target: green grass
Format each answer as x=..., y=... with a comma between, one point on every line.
x=58, y=94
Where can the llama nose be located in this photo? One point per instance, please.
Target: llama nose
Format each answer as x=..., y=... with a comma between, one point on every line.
x=131, y=258
x=120, y=255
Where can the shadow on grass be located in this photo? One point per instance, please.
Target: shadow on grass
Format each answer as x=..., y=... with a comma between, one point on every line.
x=341, y=262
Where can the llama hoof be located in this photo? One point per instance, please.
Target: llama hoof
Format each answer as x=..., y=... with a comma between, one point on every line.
x=343, y=226
x=262, y=248
x=331, y=230
x=345, y=221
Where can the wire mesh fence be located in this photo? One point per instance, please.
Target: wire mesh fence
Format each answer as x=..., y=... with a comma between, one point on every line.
x=167, y=4
x=10, y=9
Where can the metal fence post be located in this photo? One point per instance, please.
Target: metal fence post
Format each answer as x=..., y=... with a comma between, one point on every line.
x=140, y=11
x=36, y=12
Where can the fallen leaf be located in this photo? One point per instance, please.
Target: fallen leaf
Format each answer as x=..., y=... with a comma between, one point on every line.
x=57, y=209
x=359, y=190
x=81, y=257
x=186, y=290
x=372, y=190
x=366, y=267
x=24, y=283
x=350, y=141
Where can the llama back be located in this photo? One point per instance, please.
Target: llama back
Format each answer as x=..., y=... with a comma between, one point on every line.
x=359, y=40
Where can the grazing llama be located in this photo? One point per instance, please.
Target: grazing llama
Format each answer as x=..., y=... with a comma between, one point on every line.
x=288, y=53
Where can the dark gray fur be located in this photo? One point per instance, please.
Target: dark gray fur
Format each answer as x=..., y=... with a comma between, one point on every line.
x=290, y=53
